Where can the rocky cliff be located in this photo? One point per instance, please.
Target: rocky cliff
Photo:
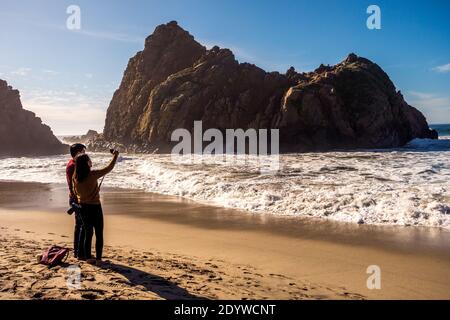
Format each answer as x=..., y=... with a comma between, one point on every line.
x=352, y=104
x=21, y=132
x=175, y=81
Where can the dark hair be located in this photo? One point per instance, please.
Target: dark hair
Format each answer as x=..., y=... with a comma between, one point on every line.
x=75, y=148
x=82, y=168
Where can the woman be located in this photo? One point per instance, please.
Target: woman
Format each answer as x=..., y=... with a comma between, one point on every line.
x=87, y=190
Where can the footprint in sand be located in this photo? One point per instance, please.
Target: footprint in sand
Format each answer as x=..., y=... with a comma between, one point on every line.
x=89, y=296
x=89, y=278
x=38, y=295
x=277, y=275
x=352, y=295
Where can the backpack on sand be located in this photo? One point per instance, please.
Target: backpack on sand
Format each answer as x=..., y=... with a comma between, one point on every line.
x=53, y=256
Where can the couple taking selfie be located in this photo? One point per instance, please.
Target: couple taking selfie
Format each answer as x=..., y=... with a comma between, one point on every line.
x=84, y=199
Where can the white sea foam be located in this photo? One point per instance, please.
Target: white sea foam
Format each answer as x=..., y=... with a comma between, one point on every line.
x=407, y=186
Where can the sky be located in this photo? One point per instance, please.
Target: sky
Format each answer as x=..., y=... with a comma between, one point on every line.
x=67, y=77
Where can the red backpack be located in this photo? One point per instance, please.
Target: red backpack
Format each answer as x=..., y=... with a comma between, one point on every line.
x=53, y=256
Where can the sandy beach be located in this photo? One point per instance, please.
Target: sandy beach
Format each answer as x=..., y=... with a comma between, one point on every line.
x=161, y=247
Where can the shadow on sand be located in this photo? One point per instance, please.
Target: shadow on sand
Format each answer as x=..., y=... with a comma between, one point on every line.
x=153, y=283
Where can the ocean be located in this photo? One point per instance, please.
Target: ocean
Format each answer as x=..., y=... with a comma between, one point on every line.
x=408, y=186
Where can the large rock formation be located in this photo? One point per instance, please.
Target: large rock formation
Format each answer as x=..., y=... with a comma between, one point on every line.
x=168, y=50
x=175, y=81
x=21, y=132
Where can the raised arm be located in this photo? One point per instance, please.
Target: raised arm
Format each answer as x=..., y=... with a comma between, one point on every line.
x=101, y=172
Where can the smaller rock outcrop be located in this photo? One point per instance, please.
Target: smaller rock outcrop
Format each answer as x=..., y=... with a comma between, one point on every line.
x=84, y=138
x=353, y=104
x=21, y=132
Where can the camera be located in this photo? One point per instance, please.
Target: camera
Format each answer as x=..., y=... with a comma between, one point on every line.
x=74, y=207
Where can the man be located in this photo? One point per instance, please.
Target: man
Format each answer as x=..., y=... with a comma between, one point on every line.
x=79, y=234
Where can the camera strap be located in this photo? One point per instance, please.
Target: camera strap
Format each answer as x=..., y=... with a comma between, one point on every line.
x=103, y=178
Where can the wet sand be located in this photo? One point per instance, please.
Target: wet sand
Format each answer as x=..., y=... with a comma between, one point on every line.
x=175, y=242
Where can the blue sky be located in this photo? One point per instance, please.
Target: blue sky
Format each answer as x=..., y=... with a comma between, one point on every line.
x=69, y=76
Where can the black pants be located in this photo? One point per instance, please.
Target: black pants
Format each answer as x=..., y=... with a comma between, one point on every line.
x=78, y=235
x=92, y=216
